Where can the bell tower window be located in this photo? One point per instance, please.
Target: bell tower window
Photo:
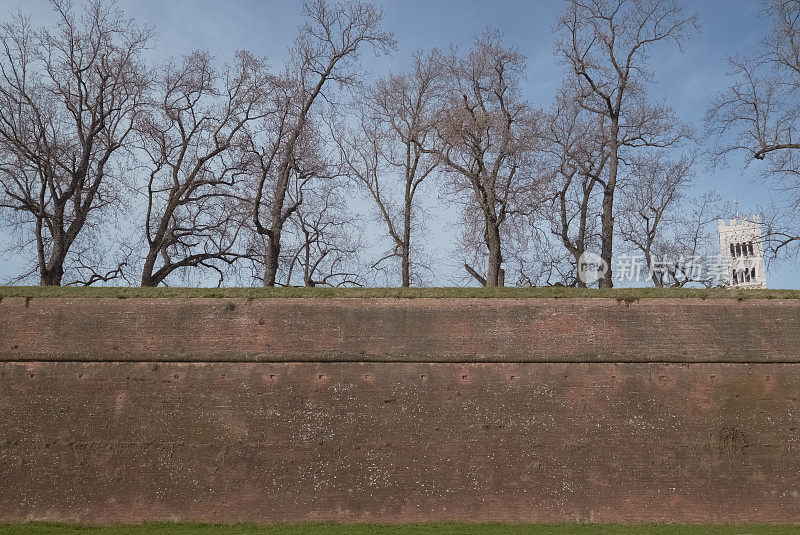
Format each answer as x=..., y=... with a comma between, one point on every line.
x=741, y=237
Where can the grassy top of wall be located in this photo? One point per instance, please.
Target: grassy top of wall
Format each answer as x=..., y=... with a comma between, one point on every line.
x=450, y=528
x=626, y=294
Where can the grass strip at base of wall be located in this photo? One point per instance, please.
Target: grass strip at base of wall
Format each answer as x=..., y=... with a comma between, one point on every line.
x=622, y=294
x=400, y=529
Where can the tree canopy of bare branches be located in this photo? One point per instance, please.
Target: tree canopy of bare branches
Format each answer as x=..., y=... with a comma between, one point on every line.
x=575, y=153
x=68, y=100
x=325, y=243
x=759, y=115
x=486, y=142
x=325, y=52
x=240, y=170
x=196, y=121
x=389, y=147
x=651, y=204
x=605, y=43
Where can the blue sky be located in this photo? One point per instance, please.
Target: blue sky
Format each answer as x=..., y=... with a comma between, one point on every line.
x=686, y=80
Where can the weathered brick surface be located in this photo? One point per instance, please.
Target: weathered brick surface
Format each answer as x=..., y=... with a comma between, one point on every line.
x=706, y=441
x=425, y=330
x=399, y=442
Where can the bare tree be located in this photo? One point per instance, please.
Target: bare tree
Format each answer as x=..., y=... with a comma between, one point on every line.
x=576, y=153
x=759, y=115
x=310, y=164
x=531, y=254
x=388, y=147
x=89, y=263
x=325, y=52
x=688, y=246
x=325, y=245
x=197, y=117
x=486, y=142
x=68, y=100
x=650, y=205
x=781, y=228
x=605, y=45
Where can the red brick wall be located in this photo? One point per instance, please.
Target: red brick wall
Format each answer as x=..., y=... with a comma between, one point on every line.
x=664, y=410
x=502, y=330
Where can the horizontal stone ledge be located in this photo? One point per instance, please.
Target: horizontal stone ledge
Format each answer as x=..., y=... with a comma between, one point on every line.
x=399, y=330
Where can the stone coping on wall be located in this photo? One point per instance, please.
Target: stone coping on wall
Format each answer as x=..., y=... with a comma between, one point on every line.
x=681, y=330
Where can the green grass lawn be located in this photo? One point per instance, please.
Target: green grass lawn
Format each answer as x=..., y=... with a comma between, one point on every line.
x=407, y=529
x=626, y=294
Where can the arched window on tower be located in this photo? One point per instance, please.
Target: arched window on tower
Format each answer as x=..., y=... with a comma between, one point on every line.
x=733, y=251
x=747, y=275
x=735, y=279
x=750, y=248
x=738, y=249
x=753, y=273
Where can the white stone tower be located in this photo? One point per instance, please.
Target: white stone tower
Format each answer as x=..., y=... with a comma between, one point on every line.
x=742, y=253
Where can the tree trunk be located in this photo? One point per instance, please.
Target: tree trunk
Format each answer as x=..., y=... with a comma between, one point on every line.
x=656, y=279
x=477, y=276
x=607, y=217
x=308, y=279
x=147, y=270
x=577, y=253
x=52, y=276
x=607, y=237
x=405, y=260
x=493, y=277
x=51, y=272
x=271, y=260
x=406, y=267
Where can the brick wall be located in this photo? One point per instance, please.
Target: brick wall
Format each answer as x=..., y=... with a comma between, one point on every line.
x=400, y=410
